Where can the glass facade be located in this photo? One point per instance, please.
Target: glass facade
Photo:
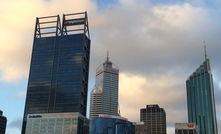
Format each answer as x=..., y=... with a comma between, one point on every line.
x=110, y=126
x=104, y=96
x=200, y=99
x=58, y=77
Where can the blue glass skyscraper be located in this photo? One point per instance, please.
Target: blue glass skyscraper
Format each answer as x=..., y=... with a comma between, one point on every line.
x=200, y=99
x=58, y=77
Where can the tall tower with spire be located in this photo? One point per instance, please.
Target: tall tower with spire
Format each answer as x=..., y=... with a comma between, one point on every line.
x=104, y=95
x=200, y=99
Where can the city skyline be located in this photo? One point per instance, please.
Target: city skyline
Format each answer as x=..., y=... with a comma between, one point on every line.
x=155, y=44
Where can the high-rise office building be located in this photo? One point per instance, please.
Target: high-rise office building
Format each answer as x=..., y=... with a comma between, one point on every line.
x=3, y=122
x=104, y=95
x=200, y=99
x=155, y=119
x=58, y=77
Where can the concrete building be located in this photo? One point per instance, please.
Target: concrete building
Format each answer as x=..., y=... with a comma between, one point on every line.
x=155, y=119
x=186, y=128
x=104, y=95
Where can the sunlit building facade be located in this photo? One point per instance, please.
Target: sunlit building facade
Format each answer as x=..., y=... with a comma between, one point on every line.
x=58, y=77
x=200, y=99
x=104, y=95
x=155, y=119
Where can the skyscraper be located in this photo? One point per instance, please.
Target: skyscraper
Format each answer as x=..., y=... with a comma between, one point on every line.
x=3, y=122
x=155, y=119
x=200, y=99
x=104, y=95
x=58, y=77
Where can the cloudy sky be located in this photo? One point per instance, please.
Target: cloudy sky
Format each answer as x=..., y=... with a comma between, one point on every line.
x=156, y=45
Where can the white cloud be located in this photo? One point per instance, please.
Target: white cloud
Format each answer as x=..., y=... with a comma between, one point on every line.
x=17, y=33
x=137, y=91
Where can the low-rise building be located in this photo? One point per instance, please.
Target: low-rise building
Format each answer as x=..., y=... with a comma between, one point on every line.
x=141, y=128
x=110, y=124
x=56, y=123
x=186, y=128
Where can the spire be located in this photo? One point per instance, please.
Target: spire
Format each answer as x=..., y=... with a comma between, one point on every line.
x=107, y=55
x=107, y=63
x=205, y=50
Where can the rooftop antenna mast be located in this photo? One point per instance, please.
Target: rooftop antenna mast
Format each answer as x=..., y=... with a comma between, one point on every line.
x=205, y=50
x=107, y=55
